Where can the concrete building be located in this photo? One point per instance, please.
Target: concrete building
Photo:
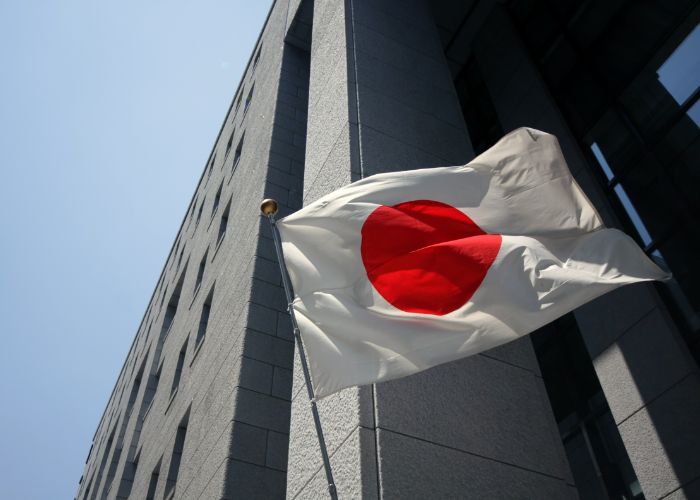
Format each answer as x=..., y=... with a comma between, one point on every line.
x=603, y=403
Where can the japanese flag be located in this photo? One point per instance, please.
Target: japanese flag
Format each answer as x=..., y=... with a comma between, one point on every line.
x=403, y=271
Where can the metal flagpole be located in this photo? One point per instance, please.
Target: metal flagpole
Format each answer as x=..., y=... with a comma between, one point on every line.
x=269, y=209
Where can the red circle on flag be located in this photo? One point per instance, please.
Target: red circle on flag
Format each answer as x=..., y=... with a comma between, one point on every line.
x=426, y=257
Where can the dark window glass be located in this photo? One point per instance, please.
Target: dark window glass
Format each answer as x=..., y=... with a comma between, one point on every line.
x=200, y=271
x=171, y=310
x=229, y=144
x=224, y=223
x=217, y=199
x=153, y=483
x=239, y=99
x=179, y=367
x=237, y=155
x=211, y=165
x=204, y=318
x=192, y=209
x=128, y=476
x=477, y=108
x=248, y=99
x=179, y=259
x=199, y=213
x=176, y=457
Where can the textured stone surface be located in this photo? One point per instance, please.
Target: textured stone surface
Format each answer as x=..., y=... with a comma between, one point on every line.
x=613, y=314
x=662, y=439
x=642, y=364
x=443, y=472
x=352, y=463
x=459, y=404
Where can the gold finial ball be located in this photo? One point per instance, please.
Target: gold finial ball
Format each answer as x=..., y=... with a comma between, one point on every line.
x=268, y=207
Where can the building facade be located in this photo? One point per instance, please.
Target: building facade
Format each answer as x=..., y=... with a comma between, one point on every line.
x=602, y=403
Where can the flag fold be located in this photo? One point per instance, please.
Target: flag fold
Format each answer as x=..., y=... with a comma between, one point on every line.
x=403, y=271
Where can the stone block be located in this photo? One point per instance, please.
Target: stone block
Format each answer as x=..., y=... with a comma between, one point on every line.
x=256, y=375
x=383, y=153
x=518, y=353
x=477, y=405
x=603, y=320
x=262, y=410
x=354, y=470
x=248, y=443
x=340, y=416
x=244, y=480
x=414, y=469
x=269, y=349
x=417, y=33
x=261, y=318
x=423, y=95
x=411, y=126
x=402, y=57
x=662, y=439
x=282, y=383
x=643, y=363
x=277, y=450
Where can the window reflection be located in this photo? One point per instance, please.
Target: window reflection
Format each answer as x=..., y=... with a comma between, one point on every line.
x=680, y=73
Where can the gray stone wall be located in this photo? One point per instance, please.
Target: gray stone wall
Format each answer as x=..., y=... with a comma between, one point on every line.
x=235, y=384
x=381, y=99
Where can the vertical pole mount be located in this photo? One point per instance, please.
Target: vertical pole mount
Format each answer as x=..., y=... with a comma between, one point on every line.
x=269, y=208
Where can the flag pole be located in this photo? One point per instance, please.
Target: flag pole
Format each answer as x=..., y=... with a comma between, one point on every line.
x=269, y=208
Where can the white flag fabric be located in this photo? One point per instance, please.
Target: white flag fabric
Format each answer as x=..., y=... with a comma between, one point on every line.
x=403, y=271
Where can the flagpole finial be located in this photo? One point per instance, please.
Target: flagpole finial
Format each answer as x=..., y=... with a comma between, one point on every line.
x=269, y=207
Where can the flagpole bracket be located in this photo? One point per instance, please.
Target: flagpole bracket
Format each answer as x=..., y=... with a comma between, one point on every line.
x=269, y=207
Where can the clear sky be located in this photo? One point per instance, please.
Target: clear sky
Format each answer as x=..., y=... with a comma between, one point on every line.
x=108, y=113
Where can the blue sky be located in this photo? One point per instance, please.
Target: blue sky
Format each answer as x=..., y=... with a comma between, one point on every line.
x=107, y=117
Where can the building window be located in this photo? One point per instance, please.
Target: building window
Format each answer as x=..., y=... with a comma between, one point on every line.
x=153, y=483
x=257, y=57
x=211, y=165
x=229, y=144
x=237, y=155
x=176, y=457
x=179, y=259
x=178, y=369
x=171, y=310
x=224, y=223
x=248, y=100
x=217, y=199
x=199, y=213
x=87, y=490
x=128, y=477
x=162, y=298
x=106, y=452
x=151, y=390
x=204, y=318
x=192, y=209
x=238, y=101
x=200, y=272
